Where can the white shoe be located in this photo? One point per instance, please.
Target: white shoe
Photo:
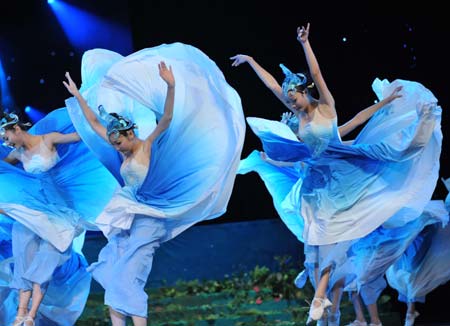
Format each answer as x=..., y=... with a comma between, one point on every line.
x=410, y=318
x=316, y=312
x=18, y=321
x=357, y=323
x=372, y=324
x=28, y=321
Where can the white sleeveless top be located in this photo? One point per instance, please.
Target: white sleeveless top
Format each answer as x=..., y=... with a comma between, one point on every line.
x=41, y=161
x=318, y=133
x=133, y=173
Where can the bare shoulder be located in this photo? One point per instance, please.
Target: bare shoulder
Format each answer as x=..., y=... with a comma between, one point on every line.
x=327, y=111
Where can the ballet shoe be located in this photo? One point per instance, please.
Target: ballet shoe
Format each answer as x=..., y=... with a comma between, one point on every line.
x=18, y=321
x=316, y=312
x=357, y=323
x=410, y=318
x=28, y=321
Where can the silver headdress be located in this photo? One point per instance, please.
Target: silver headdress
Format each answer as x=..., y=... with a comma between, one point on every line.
x=115, y=124
x=291, y=80
x=4, y=122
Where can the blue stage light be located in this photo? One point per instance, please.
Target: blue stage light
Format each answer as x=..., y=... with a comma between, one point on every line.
x=85, y=30
x=34, y=114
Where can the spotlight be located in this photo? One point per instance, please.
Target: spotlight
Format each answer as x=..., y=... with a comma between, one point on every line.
x=95, y=31
x=50, y=1
x=34, y=114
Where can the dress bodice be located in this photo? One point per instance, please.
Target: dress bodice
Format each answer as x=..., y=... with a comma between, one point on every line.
x=318, y=133
x=133, y=172
x=41, y=161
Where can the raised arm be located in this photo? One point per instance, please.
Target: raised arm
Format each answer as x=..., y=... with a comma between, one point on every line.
x=325, y=96
x=87, y=111
x=54, y=138
x=263, y=74
x=167, y=75
x=364, y=115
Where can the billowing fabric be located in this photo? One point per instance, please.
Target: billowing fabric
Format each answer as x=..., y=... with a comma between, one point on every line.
x=59, y=203
x=347, y=189
x=194, y=162
x=192, y=168
x=66, y=292
x=279, y=181
x=52, y=207
x=125, y=263
x=424, y=265
x=373, y=255
x=8, y=298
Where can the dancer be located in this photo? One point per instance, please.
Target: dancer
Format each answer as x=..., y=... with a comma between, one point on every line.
x=38, y=154
x=340, y=206
x=176, y=175
x=423, y=267
x=284, y=176
x=48, y=191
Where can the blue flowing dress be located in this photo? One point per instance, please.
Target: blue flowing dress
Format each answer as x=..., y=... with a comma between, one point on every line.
x=192, y=168
x=342, y=192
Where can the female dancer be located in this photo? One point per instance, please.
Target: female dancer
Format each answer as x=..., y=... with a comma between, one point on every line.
x=280, y=178
x=177, y=174
x=48, y=192
x=349, y=201
x=424, y=266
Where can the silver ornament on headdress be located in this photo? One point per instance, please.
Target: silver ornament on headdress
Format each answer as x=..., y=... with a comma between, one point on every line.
x=4, y=122
x=291, y=80
x=115, y=125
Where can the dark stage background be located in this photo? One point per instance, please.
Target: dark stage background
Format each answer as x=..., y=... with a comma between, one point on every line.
x=381, y=41
x=355, y=42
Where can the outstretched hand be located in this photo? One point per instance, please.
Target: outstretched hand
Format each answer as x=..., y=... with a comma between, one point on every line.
x=166, y=74
x=395, y=94
x=70, y=85
x=286, y=116
x=303, y=33
x=238, y=59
